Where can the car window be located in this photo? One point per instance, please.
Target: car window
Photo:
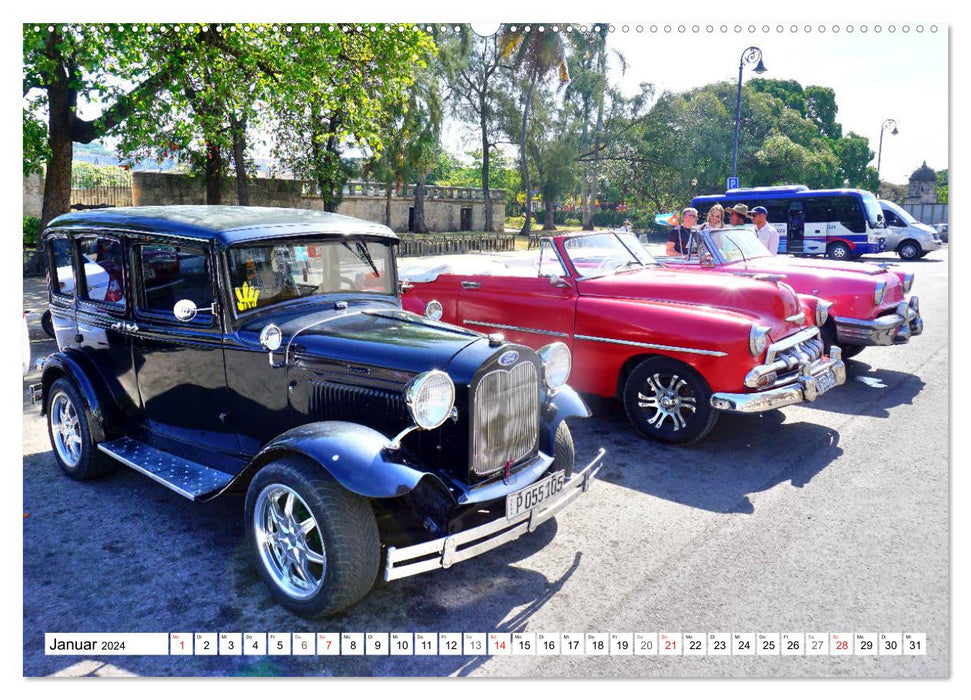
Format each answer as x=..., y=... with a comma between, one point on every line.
x=171, y=273
x=549, y=263
x=263, y=273
x=102, y=266
x=62, y=268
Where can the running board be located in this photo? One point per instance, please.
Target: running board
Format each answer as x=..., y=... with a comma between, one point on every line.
x=186, y=478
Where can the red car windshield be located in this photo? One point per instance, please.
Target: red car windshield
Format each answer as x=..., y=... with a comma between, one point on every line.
x=606, y=253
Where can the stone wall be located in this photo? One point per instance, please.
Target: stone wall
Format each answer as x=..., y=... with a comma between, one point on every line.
x=33, y=195
x=443, y=206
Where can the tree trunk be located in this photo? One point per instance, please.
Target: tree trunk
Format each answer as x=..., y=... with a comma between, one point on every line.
x=387, y=204
x=420, y=226
x=239, y=160
x=214, y=172
x=548, y=224
x=486, y=192
x=523, y=163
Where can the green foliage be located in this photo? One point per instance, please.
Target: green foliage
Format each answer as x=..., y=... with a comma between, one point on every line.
x=942, y=186
x=31, y=231
x=89, y=175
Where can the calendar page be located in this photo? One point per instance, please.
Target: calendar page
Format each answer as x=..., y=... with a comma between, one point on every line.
x=661, y=463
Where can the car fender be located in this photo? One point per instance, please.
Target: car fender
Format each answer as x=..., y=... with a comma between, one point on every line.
x=565, y=403
x=357, y=457
x=75, y=366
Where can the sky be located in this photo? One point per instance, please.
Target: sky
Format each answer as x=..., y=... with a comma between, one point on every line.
x=899, y=74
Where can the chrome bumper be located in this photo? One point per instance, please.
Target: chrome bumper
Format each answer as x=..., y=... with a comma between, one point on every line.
x=803, y=389
x=445, y=551
x=893, y=329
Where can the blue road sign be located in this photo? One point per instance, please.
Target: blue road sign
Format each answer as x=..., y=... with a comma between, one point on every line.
x=732, y=183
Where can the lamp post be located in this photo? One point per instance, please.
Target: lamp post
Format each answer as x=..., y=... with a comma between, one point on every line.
x=752, y=54
x=887, y=124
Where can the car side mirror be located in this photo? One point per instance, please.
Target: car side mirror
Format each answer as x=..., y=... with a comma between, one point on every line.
x=557, y=281
x=271, y=338
x=185, y=310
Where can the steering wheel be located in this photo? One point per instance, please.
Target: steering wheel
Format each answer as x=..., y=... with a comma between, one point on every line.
x=607, y=265
x=349, y=282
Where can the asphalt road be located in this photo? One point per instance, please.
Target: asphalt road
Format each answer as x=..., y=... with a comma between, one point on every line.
x=828, y=517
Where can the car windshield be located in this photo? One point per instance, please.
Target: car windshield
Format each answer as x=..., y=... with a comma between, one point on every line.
x=269, y=272
x=873, y=210
x=900, y=211
x=738, y=244
x=605, y=253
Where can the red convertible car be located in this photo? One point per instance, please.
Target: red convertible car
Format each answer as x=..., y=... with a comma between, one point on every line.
x=869, y=301
x=676, y=347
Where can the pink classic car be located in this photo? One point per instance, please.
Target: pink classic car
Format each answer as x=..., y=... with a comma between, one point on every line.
x=676, y=347
x=869, y=301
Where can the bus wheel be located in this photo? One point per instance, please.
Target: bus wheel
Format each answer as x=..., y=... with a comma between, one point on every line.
x=839, y=251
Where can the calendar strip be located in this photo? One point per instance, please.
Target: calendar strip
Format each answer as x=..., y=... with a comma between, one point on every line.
x=487, y=644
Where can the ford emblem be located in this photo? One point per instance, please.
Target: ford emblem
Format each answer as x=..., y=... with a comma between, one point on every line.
x=507, y=358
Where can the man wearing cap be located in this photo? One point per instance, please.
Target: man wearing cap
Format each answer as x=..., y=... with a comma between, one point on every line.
x=738, y=215
x=680, y=236
x=764, y=230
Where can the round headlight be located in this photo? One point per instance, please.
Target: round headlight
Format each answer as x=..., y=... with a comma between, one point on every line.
x=758, y=338
x=433, y=310
x=822, y=311
x=880, y=292
x=557, y=363
x=430, y=397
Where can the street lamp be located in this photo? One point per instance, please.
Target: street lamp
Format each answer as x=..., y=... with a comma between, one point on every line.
x=752, y=54
x=887, y=124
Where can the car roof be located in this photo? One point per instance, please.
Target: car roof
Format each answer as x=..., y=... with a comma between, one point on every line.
x=225, y=224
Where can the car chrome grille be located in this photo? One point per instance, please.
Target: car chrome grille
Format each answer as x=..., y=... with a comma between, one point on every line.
x=797, y=349
x=505, y=414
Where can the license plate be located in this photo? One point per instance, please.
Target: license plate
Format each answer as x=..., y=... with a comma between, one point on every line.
x=534, y=495
x=825, y=382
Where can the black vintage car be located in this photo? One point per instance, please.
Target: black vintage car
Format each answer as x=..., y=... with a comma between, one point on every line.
x=265, y=350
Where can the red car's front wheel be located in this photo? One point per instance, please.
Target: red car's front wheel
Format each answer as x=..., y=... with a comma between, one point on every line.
x=668, y=401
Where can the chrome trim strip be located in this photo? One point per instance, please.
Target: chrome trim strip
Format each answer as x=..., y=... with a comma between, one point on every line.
x=446, y=551
x=652, y=346
x=504, y=327
x=797, y=318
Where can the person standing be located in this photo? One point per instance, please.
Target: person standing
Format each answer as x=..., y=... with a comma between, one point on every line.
x=764, y=230
x=680, y=237
x=715, y=218
x=738, y=215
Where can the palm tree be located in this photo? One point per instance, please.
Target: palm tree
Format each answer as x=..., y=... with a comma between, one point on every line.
x=534, y=53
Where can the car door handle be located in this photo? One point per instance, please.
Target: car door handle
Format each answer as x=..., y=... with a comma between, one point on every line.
x=469, y=285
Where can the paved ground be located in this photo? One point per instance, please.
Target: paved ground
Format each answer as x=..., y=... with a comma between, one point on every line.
x=831, y=517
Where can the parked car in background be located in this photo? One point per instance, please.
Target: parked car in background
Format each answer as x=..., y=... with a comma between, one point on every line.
x=910, y=238
x=676, y=347
x=869, y=301
x=266, y=351
x=941, y=231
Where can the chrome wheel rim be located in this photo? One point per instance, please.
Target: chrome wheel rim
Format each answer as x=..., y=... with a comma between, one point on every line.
x=289, y=540
x=671, y=398
x=909, y=251
x=65, y=429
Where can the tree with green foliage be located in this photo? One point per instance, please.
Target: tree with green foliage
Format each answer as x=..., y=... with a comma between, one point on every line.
x=534, y=52
x=341, y=83
x=942, y=186
x=471, y=66
x=70, y=67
